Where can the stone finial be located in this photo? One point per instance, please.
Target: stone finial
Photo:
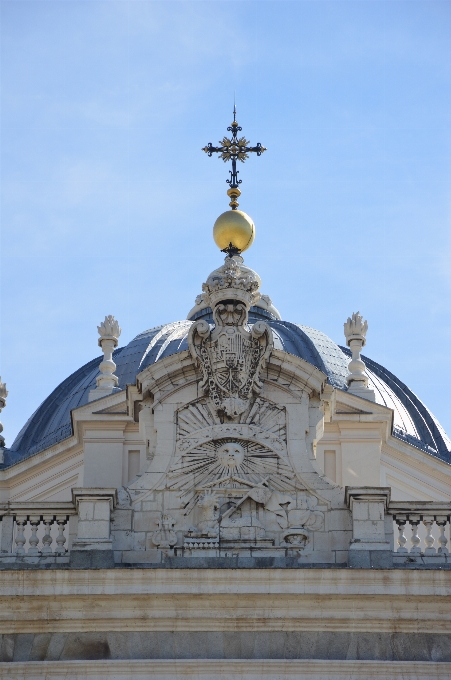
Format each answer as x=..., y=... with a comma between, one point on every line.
x=355, y=330
x=3, y=395
x=109, y=329
x=109, y=332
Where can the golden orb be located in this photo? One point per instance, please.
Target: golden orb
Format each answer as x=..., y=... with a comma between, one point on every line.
x=234, y=227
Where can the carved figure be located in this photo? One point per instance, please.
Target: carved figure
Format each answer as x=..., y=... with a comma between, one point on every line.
x=165, y=537
x=208, y=525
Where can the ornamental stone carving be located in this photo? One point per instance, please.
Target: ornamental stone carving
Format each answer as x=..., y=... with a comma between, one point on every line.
x=165, y=537
x=232, y=281
x=3, y=395
x=355, y=330
x=231, y=358
x=109, y=332
x=208, y=525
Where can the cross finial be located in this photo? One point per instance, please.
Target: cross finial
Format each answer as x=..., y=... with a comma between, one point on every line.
x=236, y=148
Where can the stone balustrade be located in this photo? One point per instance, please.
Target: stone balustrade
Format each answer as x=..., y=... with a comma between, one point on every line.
x=426, y=524
x=35, y=530
x=44, y=532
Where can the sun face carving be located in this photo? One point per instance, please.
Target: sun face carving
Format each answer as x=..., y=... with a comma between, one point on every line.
x=231, y=455
x=228, y=463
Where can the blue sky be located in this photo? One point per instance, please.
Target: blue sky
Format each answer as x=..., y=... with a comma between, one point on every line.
x=108, y=202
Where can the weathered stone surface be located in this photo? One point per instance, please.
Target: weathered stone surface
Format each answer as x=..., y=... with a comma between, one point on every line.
x=367, y=559
x=224, y=669
x=228, y=645
x=92, y=559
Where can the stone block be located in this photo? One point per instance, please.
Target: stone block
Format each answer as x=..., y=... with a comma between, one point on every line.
x=341, y=556
x=40, y=646
x=121, y=520
x=122, y=540
x=434, y=559
x=267, y=552
x=340, y=520
x=145, y=521
x=139, y=540
x=150, y=505
x=369, y=529
x=93, y=529
x=381, y=559
x=85, y=510
x=321, y=540
x=92, y=559
x=376, y=511
x=102, y=510
x=141, y=556
x=22, y=646
x=340, y=540
x=317, y=557
x=359, y=559
x=6, y=540
x=370, y=559
x=360, y=510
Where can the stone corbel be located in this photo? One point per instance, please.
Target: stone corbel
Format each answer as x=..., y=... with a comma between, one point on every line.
x=370, y=545
x=94, y=508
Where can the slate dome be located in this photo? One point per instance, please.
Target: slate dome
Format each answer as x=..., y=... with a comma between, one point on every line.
x=51, y=422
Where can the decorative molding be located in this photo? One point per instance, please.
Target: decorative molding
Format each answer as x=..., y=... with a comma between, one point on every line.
x=216, y=669
x=225, y=600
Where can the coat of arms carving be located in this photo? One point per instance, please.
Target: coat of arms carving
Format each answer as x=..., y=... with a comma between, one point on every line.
x=231, y=357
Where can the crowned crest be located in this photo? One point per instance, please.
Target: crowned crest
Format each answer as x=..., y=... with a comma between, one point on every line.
x=231, y=356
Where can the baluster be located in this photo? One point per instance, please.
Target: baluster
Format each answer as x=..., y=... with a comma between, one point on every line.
x=34, y=540
x=402, y=540
x=429, y=540
x=415, y=539
x=47, y=539
x=442, y=540
x=20, y=538
x=61, y=539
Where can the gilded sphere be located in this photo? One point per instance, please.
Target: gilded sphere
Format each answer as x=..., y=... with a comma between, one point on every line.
x=234, y=227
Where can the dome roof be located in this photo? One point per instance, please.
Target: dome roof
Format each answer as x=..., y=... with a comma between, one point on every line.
x=51, y=422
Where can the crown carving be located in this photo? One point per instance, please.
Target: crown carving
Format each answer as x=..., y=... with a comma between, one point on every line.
x=232, y=282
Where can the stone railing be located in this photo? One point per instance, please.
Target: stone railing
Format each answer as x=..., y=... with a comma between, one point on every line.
x=422, y=529
x=376, y=518
x=45, y=532
x=35, y=530
x=80, y=531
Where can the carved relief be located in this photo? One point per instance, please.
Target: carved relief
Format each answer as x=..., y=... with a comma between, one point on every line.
x=208, y=525
x=264, y=422
x=227, y=462
x=231, y=358
x=236, y=479
x=165, y=537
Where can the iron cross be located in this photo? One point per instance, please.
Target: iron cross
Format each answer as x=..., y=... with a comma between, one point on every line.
x=232, y=150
